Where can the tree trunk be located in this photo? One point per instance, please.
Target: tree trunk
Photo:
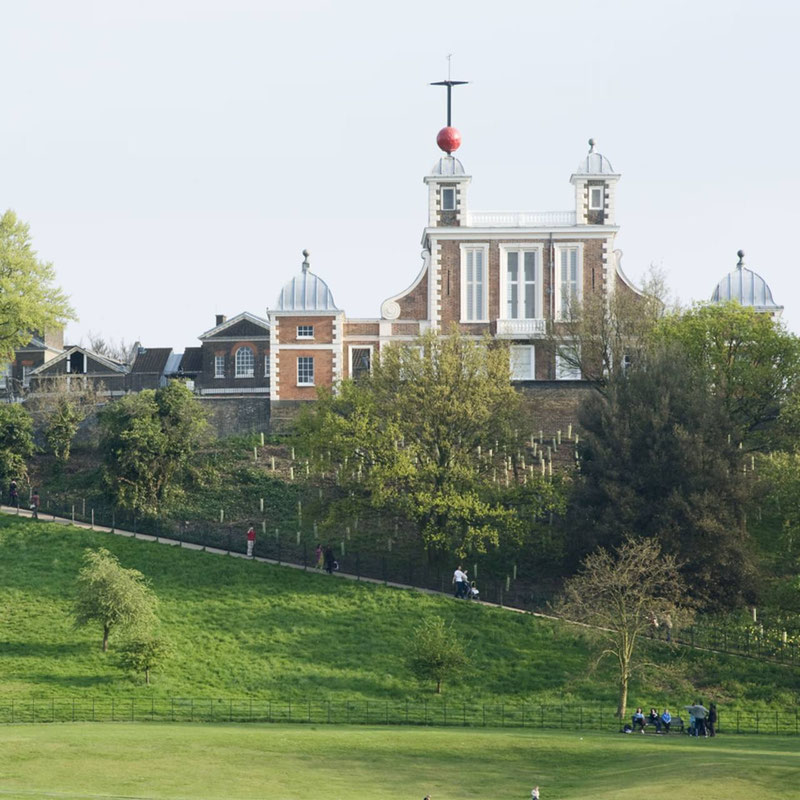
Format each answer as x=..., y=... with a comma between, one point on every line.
x=105, y=638
x=147, y=676
x=623, y=697
x=439, y=686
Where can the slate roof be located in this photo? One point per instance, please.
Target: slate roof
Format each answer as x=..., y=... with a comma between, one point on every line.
x=151, y=360
x=192, y=359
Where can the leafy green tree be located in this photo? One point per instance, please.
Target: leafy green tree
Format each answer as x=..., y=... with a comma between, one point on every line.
x=435, y=652
x=28, y=299
x=16, y=442
x=621, y=594
x=59, y=407
x=752, y=362
x=145, y=653
x=657, y=459
x=150, y=439
x=113, y=596
x=414, y=439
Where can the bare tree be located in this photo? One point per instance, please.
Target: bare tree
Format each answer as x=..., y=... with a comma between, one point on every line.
x=110, y=348
x=623, y=595
x=604, y=334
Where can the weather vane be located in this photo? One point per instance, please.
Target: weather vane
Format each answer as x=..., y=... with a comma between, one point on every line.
x=449, y=139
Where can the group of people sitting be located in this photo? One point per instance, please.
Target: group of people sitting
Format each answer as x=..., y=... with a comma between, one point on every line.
x=642, y=720
x=702, y=720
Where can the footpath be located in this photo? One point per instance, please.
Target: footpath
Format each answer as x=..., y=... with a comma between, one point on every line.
x=9, y=511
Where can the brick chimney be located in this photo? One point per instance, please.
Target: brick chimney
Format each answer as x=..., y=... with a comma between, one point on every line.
x=221, y=318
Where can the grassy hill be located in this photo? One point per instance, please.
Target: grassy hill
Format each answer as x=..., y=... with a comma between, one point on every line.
x=245, y=628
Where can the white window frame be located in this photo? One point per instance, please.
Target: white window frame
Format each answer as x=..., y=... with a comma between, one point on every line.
x=219, y=366
x=566, y=371
x=483, y=315
x=514, y=354
x=353, y=347
x=305, y=335
x=250, y=373
x=505, y=249
x=444, y=206
x=305, y=382
x=26, y=376
x=559, y=249
x=266, y=367
x=597, y=206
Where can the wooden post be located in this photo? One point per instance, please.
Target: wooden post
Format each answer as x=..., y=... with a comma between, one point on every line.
x=273, y=463
x=255, y=453
x=569, y=431
x=291, y=473
x=222, y=515
x=262, y=439
x=261, y=504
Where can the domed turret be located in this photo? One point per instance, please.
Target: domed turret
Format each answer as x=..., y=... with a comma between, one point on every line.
x=305, y=292
x=595, y=185
x=747, y=288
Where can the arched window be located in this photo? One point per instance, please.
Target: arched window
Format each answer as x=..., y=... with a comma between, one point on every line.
x=245, y=363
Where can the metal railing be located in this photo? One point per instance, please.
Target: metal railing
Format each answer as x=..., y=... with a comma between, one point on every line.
x=435, y=712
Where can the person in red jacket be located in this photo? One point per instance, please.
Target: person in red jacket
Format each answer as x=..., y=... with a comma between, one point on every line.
x=251, y=540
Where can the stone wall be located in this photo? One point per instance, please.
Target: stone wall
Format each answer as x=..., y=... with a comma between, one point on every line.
x=229, y=416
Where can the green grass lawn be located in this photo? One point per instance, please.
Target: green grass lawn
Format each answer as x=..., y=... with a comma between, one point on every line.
x=301, y=762
x=249, y=629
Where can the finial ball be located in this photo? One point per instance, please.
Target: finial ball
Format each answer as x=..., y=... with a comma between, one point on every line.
x=448, y=139
x=591, y=144
x=306, y=254
x=740, y=253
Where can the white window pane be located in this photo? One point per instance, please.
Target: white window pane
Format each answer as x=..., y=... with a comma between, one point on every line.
x=530, y=301
x=530, y=266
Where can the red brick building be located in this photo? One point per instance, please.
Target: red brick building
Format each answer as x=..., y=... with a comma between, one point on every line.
x=509, y=274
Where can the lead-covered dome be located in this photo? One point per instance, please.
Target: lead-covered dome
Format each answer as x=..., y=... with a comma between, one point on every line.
x=594, y=163
x=448, y=166
x=305, y=292
x=747, y=288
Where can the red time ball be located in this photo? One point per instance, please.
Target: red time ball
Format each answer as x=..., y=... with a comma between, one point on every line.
x=448, y=139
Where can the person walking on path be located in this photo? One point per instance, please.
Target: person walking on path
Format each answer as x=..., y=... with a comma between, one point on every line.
x=460, y=582
x=329, y=560
x=35, y=504
x=251, y=540
x=319, y=554
x=535, y=793
x=13, y=495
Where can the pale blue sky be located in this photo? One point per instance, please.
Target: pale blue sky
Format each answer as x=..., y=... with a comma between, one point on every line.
x=174, y=158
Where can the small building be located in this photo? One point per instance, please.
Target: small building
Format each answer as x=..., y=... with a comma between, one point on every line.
x=42, y=348
x=234, y=356
x=151, y=367
x=77, y=365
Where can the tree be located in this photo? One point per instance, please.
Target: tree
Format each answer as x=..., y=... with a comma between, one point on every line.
x=144, y=653
x=435, y=652
x=620, y=594
x=117, y=350
x=423, y=438
x=150, y=439
x=657, y=457
x=602, y=334
x=113, y=596
x=61, y=405
x=751, y=360
x=28, y=299
x=16, y=441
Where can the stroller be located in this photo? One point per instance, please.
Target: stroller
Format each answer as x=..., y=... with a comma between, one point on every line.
x=472, y=592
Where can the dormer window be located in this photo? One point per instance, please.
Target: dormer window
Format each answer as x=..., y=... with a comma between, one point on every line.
x=305, y=331
x=596, y=198
x=448, y=198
